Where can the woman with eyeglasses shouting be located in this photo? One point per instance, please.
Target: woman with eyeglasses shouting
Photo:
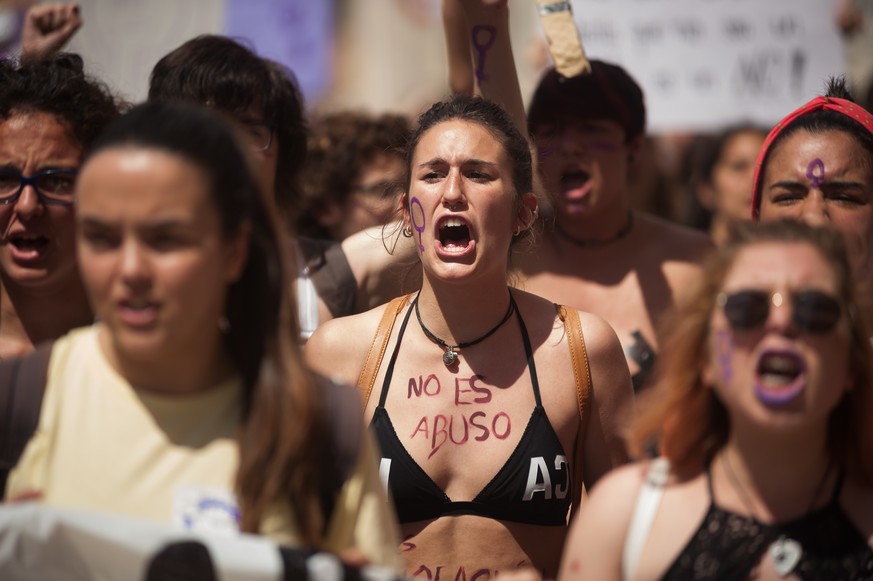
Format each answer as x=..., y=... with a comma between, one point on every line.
x=762, y=410
x=49, y=114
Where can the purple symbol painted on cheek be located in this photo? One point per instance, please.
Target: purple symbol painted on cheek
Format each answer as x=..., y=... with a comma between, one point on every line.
x=483, y=39
x=418, y=222
x=815, y=172
x=723, y=352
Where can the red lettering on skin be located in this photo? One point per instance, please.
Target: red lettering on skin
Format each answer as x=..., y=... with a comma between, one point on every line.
x=428, y=381
x=406, y=546
x=466, y=431
x=438, y=431
x=461, y=574
x=437, y=576
x=483, y=390
x=414, y=387
x=505, y=434
x=484, y=435
x=421, y=570
x=479, y=573
x=474, y=388
x=421, y=427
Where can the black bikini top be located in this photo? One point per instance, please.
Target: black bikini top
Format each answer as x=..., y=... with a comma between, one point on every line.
x=729, y=546
x=533, y=486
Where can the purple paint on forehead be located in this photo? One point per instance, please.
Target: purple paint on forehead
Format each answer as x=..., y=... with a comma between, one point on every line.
x=815, y=172
x=483, y=37
x=419, y=227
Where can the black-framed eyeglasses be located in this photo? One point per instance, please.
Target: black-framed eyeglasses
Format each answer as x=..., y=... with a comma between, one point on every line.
x=53, y=187
x=812, y=311
x=260, y=135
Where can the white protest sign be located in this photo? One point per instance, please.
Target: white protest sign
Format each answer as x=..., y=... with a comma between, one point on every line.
x=704, y=64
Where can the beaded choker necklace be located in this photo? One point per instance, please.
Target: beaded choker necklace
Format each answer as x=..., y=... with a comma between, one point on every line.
x=591, y=243
x=451, y=351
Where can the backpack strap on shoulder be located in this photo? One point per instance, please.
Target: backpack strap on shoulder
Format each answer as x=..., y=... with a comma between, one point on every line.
x=579, y=357
x=582, y=378
x=22, y=386
x=367, y=377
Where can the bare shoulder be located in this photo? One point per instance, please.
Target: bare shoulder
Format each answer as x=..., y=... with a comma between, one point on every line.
x=597, y=533
x=672, y=241
x=338, y=348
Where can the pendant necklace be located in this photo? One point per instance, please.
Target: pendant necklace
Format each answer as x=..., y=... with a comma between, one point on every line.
x=785, y=552
x=592, y=243
x=451, y=351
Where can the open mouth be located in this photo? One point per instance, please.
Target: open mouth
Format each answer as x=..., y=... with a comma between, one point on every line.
x=137, y=312
x=454, y=235
x=574, y=182
x=28, y=242
x=779, y=377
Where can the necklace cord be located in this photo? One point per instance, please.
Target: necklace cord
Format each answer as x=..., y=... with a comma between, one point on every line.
x=592, y=243
x=464, y=344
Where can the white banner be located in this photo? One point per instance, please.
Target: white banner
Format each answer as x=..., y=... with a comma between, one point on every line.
x=704, y=64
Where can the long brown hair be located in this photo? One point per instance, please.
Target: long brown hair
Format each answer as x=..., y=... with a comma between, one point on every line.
x=281, y=436
x=686, y=416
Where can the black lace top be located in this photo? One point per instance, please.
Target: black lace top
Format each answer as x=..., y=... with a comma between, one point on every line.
x=730, y=546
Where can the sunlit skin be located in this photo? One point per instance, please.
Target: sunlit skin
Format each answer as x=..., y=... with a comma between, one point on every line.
x=777, y=453
x=460, y=171
x=787, y=269
x=156, y=266
x=584, y=165
x=41, y=296
x=30, y=143
x=824, y=179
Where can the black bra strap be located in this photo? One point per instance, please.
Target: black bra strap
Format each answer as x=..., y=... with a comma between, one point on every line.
x=389, y=371
x=531, y=366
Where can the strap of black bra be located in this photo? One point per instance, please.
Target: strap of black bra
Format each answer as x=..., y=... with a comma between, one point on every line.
x=389, y=371
x=531, y=366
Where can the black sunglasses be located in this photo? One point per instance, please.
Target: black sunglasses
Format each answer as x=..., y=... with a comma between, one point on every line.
x=812, y=311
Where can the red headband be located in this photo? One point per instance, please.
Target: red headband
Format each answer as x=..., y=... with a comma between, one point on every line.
x=847, y=108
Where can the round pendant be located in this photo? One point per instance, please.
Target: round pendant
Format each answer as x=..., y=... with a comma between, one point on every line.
x=449, y=357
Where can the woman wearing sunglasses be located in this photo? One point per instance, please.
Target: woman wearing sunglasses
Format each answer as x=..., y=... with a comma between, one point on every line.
x=762, y=410
x=50, y=112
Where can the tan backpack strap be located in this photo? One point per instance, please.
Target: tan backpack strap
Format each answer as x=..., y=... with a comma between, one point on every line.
x=377, y=350
x=582, y=376
x=579, y=357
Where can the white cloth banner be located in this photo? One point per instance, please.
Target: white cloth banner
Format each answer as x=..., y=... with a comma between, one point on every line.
x=47, y=544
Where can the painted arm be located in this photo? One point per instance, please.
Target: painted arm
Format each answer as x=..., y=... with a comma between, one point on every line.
x=487, y=31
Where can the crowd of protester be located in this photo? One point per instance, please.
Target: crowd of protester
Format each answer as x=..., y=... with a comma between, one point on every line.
x=445, y=347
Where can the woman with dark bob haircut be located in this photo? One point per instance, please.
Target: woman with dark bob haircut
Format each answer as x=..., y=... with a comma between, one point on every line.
x=50, y=113
x=189, y=396
x=762, y=409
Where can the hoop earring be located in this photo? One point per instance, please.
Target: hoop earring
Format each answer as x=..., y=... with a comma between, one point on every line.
x=518, y=230
x=406, y=231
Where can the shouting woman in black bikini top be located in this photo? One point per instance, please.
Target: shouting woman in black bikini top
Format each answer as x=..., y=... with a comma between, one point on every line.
x=475, y=402
x=762, y=410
